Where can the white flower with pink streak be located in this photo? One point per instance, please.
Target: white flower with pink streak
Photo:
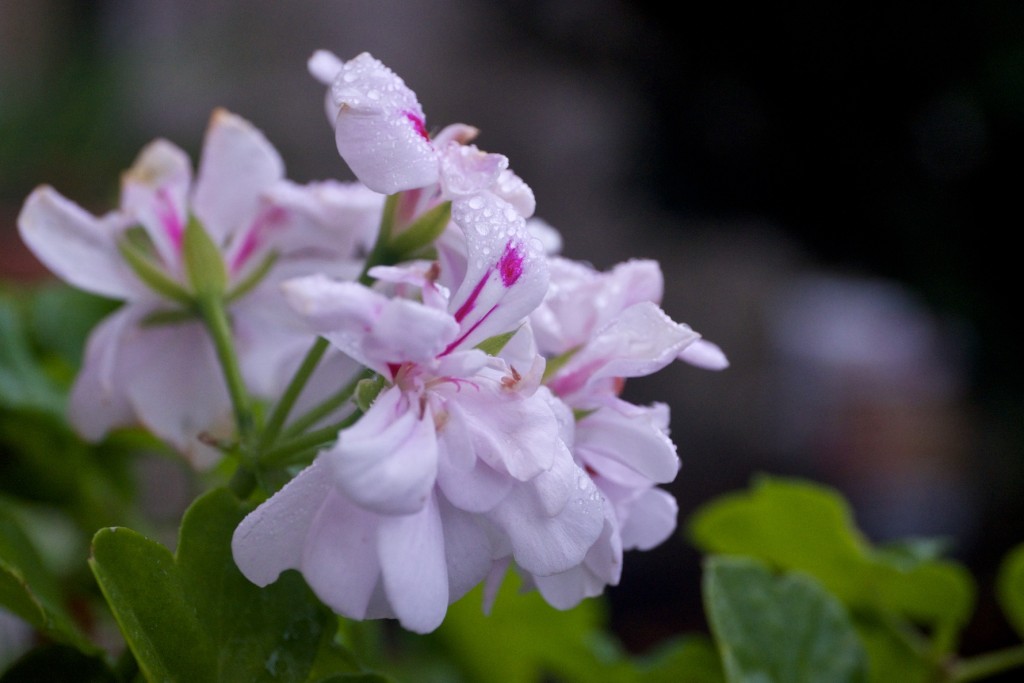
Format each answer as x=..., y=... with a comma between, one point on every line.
x=462, y=459
x=381, y=132
x=163, y=373
x=597, y=329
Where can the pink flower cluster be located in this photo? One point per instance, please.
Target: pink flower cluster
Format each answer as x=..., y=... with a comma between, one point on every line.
x=498, y=437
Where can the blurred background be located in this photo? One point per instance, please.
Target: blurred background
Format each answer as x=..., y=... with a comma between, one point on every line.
x=830, y=189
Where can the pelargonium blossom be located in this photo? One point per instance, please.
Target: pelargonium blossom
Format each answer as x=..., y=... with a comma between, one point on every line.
x=151, y=361
x=461, y=460
x=598, y=329
x=381, y=132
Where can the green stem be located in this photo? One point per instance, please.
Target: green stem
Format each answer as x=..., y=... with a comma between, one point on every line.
x=215, y=317
x=320, y=437
x=986, y=665
x=327, y=407
x=379, y=253
x=242, y=483
x=291, y=393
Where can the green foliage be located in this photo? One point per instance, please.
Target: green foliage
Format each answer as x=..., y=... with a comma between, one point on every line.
x=1010, y=588
x=779, y=628
x=524, y=639
x=193, y=616
x=24, y=383
x=29, y=589
x=891, y=591
x=808, y=527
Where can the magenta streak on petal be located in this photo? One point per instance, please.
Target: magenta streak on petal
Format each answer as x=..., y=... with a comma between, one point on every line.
x=394, y=368
x=465, y=308
x=169, y=218
x=566, y=384
x=269, y=219
x=511, y=265
x=451, y=347
x=418, y=124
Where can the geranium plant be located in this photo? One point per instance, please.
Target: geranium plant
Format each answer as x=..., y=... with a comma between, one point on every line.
x=400, y=403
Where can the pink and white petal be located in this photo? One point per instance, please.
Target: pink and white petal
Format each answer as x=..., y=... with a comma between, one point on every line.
x=174, y=382
x=154, y=193
x=387, y=462
x=704, y=354
x=460, y=133
x=631, y=435
x=477, y=489
x=639, y=342
x=651, y=519
x=368, y=326
x=411, y=549
x=467, y=549
x=237, y=165
x=548, y=235
x=506, y=277
x=270, y=339
x=380, y=128
x=324, y=66
x=340, y=562
x=581, y=301
x=273, y=537
x=466, y=170
x=512, y=433
x=601, y=567
x=327, y=219
x=543, y=544
x=99, y=401
x=77, y=246
x=516, y=192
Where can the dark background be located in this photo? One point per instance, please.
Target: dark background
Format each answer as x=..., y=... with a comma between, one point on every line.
x=831, y=189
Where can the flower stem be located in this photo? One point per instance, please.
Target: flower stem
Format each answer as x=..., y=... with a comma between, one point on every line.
x=321, y=437
x=379, y=254
x=243, y=482
x=216, y=320
x=291, y=393
x=329, y=405
x=986, y=665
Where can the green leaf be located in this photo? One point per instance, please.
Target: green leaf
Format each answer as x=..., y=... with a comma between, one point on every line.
x=23, y=382
x=193, y=616
x=29, y=590
x=1010, y=588
x=778, y=628
x=893, y=655
x=61, y=318
x=685, y=659
x=804, y=526
x=204, y=263
x=524, y=639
